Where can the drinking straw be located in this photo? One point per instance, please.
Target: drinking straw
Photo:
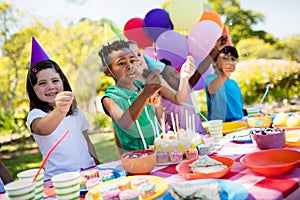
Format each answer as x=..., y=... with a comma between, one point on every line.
x=177, y=122
x=191, y=106
x=264, y=96
x=49, y=153
x=193, y=123
x=186, y=119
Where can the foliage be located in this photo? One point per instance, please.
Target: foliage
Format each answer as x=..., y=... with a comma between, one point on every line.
x=240, y=22
x=254, y=75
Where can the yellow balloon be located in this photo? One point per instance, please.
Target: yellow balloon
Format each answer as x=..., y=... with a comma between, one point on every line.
x=184, y=14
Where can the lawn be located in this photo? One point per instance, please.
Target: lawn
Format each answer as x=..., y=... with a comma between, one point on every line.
x=23, y=154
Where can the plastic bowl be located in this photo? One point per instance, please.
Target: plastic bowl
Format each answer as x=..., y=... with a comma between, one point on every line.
x=257, y=121
x=272, y=162
x=136, y=164
x=269, y=141
x=184, y=169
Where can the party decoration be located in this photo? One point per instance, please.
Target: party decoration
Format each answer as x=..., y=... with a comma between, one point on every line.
x=156, y=22
x=202, y=38
x=185, y=14
x=172, y=46
x=134, y=30
x=213, y=16
x=150, y=51
x=225, y=32
x=37, y=53
x=117, y=32
x=154, y=64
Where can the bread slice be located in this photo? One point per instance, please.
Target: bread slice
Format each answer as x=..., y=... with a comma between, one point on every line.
x=185, y=191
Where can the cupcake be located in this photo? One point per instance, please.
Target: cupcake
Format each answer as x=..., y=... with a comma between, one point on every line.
x=162, y=157
x=191, y=153
x=146, y=189
x=135, y=182
x=129, y=195
x=176, y=157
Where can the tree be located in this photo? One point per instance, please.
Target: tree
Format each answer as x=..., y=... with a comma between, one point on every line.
x=240, y=22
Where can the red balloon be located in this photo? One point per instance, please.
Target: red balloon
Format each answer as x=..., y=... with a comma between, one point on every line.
x=134, y=30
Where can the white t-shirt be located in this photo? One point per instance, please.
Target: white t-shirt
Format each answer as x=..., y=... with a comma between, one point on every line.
x=72, y=153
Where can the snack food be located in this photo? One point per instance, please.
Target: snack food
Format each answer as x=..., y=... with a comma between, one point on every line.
x=162, y=157
x=176, y=157
x=135, y=182
x=129, y=195
x=205, y=164
x=191, y=153
x=181, y=191
x=146, y=189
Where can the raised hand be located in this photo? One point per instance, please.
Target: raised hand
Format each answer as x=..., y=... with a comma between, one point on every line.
x=64, y=100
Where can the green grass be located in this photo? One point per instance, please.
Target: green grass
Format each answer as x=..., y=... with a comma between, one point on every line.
x=22, y=155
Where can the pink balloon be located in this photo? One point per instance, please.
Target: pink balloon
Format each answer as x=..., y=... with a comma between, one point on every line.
x=172, y=46
x=150, y=51
x=202, y=38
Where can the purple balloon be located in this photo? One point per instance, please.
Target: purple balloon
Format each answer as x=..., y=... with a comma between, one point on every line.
x=156, y=22
x=172, y=46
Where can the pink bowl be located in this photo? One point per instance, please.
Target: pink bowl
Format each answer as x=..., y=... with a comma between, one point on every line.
x=269, y=141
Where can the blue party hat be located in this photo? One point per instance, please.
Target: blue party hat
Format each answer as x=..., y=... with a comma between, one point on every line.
x=154, y=64
x=37, y=53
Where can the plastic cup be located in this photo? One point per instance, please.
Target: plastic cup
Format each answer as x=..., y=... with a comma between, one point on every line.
x=253, y=110
x=67, y=185
x=39, y=183
x=20, y=190
x=215, y=128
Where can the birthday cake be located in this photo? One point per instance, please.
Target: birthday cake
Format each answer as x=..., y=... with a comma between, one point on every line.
x=183, y=141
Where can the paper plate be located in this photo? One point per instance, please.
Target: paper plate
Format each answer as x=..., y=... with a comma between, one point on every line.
x=161, y=186
x=229, y=189
x=229, y=127
x=272, y=162
x=117, y=173
x=242, y=136
x=184, y=169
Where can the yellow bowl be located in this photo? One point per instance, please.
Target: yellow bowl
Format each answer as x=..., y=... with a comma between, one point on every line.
x=259, y=121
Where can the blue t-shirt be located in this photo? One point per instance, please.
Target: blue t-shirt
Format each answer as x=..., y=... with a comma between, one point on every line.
x=2, y=190
x=226, y=103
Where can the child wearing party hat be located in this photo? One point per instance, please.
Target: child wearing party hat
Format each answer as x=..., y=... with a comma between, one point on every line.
x=53, y=111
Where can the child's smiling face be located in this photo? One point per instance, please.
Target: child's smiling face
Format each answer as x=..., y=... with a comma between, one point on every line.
x=48, y=85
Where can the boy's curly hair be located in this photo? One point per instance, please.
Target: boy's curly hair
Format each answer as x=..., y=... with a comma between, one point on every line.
x=107, y=49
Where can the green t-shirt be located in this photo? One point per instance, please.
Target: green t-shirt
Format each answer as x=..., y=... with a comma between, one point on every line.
x=144, y=128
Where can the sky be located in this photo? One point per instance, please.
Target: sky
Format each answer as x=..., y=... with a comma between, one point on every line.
x=280, y=16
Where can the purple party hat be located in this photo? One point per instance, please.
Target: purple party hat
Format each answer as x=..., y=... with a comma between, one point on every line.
x=37, y=53
x=154, y=64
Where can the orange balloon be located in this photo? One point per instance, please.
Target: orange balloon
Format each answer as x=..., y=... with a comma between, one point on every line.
x=213, y=16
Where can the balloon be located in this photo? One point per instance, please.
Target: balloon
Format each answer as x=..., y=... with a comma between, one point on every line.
x=150, y=51
x=185, y=14
x=134, y=30
x=172, y=46
x=156, y=22
x=201, y=82
x=213, y=16
x=202, y=38
x=225, y=32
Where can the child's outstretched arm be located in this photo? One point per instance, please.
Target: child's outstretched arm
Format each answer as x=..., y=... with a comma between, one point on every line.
x=91, y=148
x=127, y=118
x=47, y=124
x=202, y=67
